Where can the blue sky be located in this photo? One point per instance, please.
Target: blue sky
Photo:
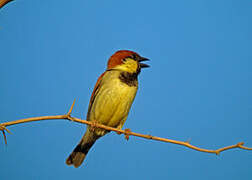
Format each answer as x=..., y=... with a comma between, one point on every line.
x=198, y=87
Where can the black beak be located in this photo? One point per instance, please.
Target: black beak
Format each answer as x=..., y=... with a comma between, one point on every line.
x=142, y=65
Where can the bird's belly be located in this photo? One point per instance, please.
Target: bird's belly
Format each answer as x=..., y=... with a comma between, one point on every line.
x=112, y=103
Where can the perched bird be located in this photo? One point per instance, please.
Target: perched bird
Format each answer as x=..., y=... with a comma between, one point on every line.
x=112, y=97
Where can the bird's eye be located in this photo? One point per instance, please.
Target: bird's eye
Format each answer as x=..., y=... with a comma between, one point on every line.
x=133, y=56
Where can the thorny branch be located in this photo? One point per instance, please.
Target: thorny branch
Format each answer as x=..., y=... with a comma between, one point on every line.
x=126, y=132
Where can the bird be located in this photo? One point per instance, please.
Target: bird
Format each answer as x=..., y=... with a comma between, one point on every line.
x=111, y=100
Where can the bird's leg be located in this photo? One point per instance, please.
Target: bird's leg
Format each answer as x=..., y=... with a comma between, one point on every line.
x=119, y=127
x=93, y=125
x=127, y=133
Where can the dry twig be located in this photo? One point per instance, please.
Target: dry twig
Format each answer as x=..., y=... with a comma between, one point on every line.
x=4, y=2
x=126, y=132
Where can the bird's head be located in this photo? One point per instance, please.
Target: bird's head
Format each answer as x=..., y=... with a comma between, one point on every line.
x=127, y=61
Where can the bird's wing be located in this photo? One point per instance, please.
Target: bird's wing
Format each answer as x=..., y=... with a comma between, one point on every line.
x=95, y=91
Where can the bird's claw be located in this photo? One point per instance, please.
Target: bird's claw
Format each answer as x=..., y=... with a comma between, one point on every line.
x=93, y=125
x=127, y=134
x=119, y=133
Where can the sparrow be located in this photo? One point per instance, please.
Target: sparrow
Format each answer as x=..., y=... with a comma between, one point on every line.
x=111, y=100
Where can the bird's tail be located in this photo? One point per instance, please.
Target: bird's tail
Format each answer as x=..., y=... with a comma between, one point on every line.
x=80, y=151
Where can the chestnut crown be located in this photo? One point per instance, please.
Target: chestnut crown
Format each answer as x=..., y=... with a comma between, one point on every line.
x=126, y=60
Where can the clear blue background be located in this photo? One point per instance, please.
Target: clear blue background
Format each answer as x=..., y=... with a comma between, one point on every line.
x=198, y=87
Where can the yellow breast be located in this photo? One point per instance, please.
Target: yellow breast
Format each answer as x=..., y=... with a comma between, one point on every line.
x=112, y=101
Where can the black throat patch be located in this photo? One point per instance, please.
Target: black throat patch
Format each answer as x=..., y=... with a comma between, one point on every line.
x=129, y=78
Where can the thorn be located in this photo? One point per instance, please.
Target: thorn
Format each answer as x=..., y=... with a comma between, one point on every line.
x=149, y=136
x=3, y=129
x=7, y=130
x=217, y=153
x=5, y=139
x=240, y=144
x=188, y=141
x=71, y=108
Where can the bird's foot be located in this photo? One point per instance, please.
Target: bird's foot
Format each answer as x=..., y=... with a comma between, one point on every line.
x=127, y=134
x=93, y=125
x=119, y=133
x=119, y=127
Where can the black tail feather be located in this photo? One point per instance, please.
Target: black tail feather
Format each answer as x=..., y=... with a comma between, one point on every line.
x=79, y=153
